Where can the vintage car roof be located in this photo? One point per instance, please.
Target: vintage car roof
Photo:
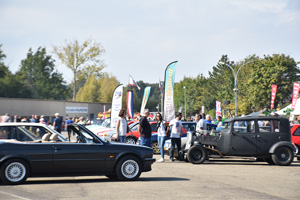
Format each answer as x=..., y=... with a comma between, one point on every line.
x=256, y=118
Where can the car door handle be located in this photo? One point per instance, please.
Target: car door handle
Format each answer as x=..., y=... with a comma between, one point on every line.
x=56, y=148
x=253, y=136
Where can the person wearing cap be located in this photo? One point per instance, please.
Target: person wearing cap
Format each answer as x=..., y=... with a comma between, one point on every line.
x=57, y=123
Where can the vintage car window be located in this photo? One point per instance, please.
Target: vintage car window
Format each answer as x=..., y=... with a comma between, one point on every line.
x=296, y=133
x=227, y=127
x=268, y=125
x=246, y=126
x=189, y=127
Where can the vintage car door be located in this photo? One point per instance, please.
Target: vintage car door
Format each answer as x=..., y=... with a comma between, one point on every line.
x=242, y=139
x=86, y=156
x=268, y=134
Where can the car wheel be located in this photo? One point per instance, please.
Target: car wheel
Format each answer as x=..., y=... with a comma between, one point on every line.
x=130, y=140
x=283, y=156
x=196, y=154
x=14, y=171
x=129, y=168
x=155, y=147
x=269, y=160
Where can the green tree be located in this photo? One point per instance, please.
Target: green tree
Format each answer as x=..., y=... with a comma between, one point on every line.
x=11, y=85
x=277, y=69
x=82, y=59
x=89, y=92
x=98, y=89
x=39, y=74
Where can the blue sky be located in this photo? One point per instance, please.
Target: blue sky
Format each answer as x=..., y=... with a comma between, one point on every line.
x=142, y=37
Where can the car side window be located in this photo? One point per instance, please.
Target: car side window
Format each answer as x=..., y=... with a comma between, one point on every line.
x=297, y=132
x=153, y=127
x=268, y=126
x=247, y=126
x=21, y=136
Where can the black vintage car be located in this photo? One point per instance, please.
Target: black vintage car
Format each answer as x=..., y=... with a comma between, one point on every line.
x=266, y=138
x=89, y=155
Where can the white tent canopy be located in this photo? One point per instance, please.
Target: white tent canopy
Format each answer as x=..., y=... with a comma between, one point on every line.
x=295, y=112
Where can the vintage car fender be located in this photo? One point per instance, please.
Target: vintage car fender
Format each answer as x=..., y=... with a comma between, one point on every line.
x=280, y=144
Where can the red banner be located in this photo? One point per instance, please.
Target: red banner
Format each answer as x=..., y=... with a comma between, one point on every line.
x=295, y=95
x=273, y=95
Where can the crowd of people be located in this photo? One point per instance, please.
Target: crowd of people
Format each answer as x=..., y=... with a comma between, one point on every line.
x=58, y=124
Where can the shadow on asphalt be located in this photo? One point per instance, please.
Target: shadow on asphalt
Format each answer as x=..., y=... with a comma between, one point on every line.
x=246, y=162
x=98, y=180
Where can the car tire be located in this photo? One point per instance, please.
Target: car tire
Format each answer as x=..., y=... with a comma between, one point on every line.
x=129, y=168
x=155, y=147
x=283, y=156
x=197, y=154
x=130, y=140
x=14, y=171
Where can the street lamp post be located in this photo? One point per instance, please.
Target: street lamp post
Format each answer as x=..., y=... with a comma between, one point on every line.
x=184, y=101
x=235, y=81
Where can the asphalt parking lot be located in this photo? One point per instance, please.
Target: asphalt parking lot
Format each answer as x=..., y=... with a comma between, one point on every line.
x=216, y=179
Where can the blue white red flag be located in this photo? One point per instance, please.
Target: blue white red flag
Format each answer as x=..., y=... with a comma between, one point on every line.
x=130, y=103
x=133, y=83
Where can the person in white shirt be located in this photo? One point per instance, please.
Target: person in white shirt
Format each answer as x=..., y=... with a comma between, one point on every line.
x=121, y=128
x=161, y=135
x=197, y=120
x=176, y=133
x=202, y=123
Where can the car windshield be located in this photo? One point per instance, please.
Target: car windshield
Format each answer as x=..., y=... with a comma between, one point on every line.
x=105, y=123
x=227, y=127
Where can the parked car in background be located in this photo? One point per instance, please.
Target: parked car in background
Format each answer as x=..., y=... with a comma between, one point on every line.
x=89, y=155
x=102, y=130
x=295, y=134
x=23, y=131
x=132, y=138
x=167, y=146
x=267, y=138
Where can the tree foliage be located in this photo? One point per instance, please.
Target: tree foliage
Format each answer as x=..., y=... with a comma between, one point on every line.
x=38, y=73
x=83, y=59
x=11, y=85
x=254, y=83
x=98, y=89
